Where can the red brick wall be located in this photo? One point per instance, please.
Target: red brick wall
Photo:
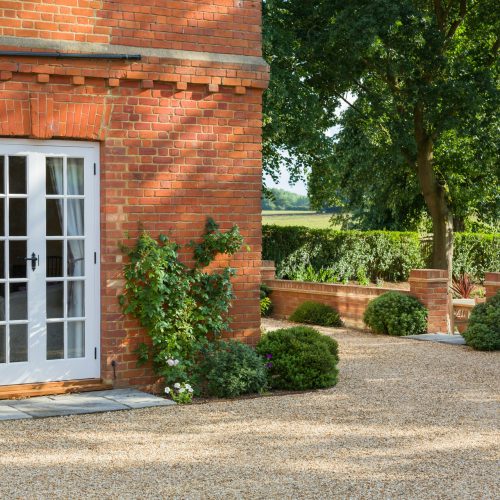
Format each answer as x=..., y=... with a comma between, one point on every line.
x=491, y=284
x=349, y=300
x=180, y=139
x=224, y=26
x=430, y=286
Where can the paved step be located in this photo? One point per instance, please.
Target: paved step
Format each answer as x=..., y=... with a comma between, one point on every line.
x=442, y=338
x=77, y=404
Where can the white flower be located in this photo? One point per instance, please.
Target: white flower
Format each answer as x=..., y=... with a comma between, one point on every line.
x=176, y=362
x=177, y=385
x=181, y=390
x=190, y=389
x=170, y=362
x=167, y=390
x=187, y=386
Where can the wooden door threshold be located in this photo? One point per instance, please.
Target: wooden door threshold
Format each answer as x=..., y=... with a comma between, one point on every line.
x=51, y=388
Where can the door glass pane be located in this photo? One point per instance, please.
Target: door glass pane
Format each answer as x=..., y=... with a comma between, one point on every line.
x=2, y=215
x=17, y=264
x=54, y=258
x=76, y=299
x=55, y=340
x=2, y=301
x=75, y=218
x=2, y=170
x=18, y=300
x=54, y=176
x=76, y=339
x=17, y=216
x=55, y=299
x=76, y=262
x=75, y=175
x=3, y=340
x=2, y=260
x=54, y=217
x=17, y=174
x=18, y=343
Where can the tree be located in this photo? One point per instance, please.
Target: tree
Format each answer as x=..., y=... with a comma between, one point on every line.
x=425, y=113
x=280, y=199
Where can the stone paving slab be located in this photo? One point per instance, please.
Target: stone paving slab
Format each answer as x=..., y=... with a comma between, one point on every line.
x=442, y=338
x=77, y=404
x=9, y=413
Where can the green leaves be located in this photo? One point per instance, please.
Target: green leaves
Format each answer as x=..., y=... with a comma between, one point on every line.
x=178, y=306
x=483, y=331
x=215, y=242
x=384, y=57
x=396, y=314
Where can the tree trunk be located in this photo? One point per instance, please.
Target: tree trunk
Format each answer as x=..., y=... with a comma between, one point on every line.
x=435, y=197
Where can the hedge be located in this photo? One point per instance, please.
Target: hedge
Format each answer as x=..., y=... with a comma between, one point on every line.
x=340, y=256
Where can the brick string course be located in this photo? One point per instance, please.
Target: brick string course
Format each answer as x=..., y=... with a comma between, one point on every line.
x=180, y=140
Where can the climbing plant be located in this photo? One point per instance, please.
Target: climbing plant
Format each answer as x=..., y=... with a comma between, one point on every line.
x=180, y=307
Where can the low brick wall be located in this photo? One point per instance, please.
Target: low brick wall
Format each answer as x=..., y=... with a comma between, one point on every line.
x=349, y=300
x=430, y=286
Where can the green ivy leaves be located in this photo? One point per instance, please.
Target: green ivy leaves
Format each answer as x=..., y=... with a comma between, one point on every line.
x=178, y=306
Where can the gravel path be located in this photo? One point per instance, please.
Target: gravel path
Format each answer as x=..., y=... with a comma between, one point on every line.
x=407, y=420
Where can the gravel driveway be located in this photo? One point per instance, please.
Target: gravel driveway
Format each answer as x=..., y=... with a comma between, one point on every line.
x=407, y=420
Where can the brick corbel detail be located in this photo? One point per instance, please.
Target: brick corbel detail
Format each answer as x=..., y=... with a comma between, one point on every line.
x=430, y=286
x=50, y=119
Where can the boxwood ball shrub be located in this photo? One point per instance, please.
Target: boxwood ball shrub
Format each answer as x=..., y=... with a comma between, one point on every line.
x=230, y=368
x=299, y=358
x=394, y=313
x=483, y=331
x=315, y=313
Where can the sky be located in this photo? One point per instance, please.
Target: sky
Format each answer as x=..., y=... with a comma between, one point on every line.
x=284, y=183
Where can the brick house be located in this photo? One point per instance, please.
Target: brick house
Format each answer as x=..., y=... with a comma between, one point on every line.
x=115, y=113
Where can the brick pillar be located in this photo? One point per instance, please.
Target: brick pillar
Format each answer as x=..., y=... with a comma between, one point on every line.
x=430, y=286
x=268, y=270
x=491, y=284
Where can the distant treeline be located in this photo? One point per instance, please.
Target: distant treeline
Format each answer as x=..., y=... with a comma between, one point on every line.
x=279, y=199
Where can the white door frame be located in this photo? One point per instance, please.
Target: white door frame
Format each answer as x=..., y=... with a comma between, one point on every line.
x=38, y=368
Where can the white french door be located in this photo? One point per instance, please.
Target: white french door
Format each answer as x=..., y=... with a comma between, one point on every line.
x=49, y=261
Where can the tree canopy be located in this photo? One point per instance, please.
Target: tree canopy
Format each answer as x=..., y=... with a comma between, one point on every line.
x=420, y=81
x=280, y=199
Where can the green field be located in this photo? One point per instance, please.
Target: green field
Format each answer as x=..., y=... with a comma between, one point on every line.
x=296, y=218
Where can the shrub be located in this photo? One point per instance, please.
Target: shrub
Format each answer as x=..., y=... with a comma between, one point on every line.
x=483, y=331
x=463, y=286
x=178, y=306
x=315, y=313
x=329, y=255
x=342, y=255
x=476, y=254
x=299, y=358
x=232, y=368
x=394, y=313
x=266, y=305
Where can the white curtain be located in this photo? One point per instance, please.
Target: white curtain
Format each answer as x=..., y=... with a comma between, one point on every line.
x=75, y=249
x=76, y=262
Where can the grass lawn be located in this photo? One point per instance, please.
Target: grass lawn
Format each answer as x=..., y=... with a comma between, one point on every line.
x=296, y=218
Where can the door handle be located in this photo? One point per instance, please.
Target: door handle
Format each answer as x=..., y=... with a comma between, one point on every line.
x=34, y=260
